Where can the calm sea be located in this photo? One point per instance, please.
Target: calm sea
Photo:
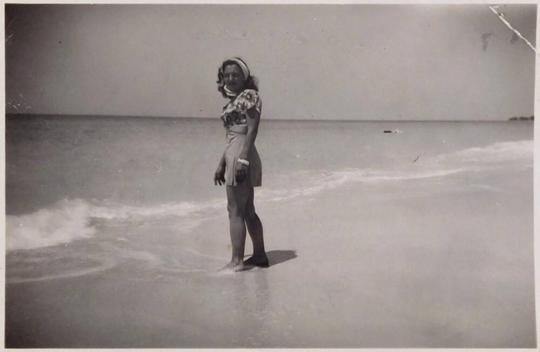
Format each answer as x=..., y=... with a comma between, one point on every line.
x=71, y=178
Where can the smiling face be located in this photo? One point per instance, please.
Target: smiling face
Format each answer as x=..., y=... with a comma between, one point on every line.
x=233, y=78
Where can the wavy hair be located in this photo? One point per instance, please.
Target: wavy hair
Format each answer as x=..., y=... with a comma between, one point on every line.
x=250, y=83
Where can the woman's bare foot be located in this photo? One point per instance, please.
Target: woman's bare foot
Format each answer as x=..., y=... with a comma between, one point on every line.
x=258, y=260
x=233, y=267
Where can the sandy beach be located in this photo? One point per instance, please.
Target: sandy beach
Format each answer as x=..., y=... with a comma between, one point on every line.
x=423, y=264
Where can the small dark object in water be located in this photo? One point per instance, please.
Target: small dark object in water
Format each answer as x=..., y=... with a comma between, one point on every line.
x=393, y=131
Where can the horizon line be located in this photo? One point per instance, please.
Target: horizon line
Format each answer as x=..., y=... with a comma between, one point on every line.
x=269, y=119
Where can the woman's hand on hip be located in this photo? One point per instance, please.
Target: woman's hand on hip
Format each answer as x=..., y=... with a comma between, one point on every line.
x=241, y=172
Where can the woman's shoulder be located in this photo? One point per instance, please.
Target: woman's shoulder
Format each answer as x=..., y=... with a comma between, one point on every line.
x=249, y=94
x=247, y=99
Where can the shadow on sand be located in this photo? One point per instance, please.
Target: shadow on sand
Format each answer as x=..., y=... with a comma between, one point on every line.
x=275, y=257
x=279, y=256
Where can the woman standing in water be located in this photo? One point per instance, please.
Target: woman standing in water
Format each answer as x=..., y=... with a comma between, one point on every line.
x=240, y=166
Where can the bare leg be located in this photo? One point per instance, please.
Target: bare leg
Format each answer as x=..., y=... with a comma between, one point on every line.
x=237, y=197
x=238, y=238
x=259, y=257
x=255, y=230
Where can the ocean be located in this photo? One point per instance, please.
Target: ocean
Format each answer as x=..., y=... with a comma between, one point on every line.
x=86, y=195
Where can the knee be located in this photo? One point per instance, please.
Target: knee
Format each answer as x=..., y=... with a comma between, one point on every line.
x=251, y=215
x=235, y=211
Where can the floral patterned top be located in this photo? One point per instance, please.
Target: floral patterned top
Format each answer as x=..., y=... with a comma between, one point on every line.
x=235, y=112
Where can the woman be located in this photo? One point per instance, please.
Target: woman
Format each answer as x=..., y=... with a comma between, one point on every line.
x=240, y=167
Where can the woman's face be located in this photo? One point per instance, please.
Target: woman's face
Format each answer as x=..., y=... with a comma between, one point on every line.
x=233, y=78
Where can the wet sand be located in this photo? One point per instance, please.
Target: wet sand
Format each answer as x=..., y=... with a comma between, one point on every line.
x=425, y=264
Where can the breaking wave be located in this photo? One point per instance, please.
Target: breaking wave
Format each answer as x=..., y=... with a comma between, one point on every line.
x=76, y=219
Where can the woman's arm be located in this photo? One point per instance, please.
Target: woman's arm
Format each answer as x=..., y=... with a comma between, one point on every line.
x=219, y=175
x=253, y=127
x=222, y=161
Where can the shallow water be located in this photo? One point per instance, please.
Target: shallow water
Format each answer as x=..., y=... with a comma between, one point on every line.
x=429, y=229
x=156, y=160
x=76, y=178
x=141, y=160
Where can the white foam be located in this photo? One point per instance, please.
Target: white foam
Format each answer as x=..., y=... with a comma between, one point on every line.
x=62, y=223
x=70, y=220
x=178, y=209
x=318, y=182
x=493, y=153
x=440, y=166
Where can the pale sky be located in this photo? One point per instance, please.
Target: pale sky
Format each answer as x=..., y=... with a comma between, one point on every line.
x=360, y=62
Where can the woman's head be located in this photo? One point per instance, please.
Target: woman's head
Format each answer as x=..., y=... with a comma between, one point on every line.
x=234, y=76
